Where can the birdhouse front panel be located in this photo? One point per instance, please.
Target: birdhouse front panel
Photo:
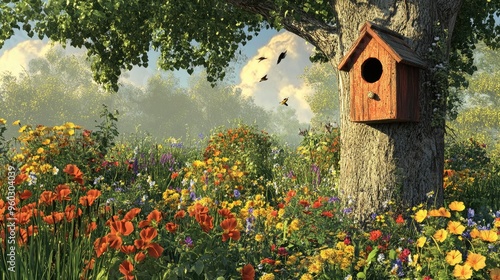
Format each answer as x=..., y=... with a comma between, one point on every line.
x=372, y=82
x=384, y=75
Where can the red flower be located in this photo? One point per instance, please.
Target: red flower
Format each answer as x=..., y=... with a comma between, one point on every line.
x=327, y=214
x=248, y=272
x=180, y=214
x=47, y=197
x=304, y=203
x=268, y=261
x=127, y=249
x=174, y=175
x=101, y=245
x=375, y=234
x=400, y=220
x=230, y=231
x=139, y=257
x=119, y=229
x=226, y=213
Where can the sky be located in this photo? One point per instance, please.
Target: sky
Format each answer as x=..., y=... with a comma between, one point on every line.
x=283, y=79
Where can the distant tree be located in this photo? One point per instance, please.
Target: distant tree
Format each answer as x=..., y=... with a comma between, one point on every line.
x=324, y=102
x=54, y=89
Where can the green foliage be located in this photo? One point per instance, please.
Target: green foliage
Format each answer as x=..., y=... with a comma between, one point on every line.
x=469, y=154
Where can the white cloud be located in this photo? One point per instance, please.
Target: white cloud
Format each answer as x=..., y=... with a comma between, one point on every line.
x=283, y=79
x=15, y=60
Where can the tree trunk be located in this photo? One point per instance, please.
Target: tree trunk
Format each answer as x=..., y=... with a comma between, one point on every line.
x=400, y=162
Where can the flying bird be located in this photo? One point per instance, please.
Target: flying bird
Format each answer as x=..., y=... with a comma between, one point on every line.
x=284, y=101
x=281, y=57
x=261, y=58
x=263, y=78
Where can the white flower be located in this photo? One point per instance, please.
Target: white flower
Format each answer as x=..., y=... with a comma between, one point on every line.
x=380, y=258
x=55, y=170
x=436, y=38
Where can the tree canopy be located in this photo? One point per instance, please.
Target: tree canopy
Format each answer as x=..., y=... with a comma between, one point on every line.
x=118, y=34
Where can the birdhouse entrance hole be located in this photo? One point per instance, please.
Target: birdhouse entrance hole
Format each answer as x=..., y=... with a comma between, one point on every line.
x=371, y=70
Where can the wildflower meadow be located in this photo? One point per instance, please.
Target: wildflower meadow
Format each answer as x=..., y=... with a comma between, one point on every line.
x=236, y=204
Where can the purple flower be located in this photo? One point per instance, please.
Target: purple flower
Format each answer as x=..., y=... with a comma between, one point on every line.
x=470, y=213
x=333, y=199
x=188, y=241
x=347, y=210
x=236, y=193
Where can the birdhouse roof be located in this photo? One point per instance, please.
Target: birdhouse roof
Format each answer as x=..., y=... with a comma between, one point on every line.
x=391, y=41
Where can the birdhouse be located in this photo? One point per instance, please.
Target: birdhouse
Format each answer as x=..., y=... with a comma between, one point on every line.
x=384, y=74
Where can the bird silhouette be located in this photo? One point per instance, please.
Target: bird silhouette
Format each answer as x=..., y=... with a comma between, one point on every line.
x=263, y=78
x=261, y=58
x=281, y=57
x=284, y=101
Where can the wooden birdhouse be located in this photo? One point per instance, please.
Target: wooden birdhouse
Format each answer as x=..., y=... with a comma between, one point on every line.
x=384, y=75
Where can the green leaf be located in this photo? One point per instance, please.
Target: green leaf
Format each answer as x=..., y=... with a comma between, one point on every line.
x=198, y=267
x=392, y=254
x=361, y=275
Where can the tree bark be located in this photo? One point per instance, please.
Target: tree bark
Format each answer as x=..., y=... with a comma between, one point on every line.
x=399, y=162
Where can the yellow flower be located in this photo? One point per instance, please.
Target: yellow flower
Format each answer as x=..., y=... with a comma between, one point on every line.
x=488, y=235
x=453, y=257
x=441, y=212
x=421, y=241
x=476, y=261
x=267, y=276
x=294, y=225
x=462, y=271
x=420, y=215
x=315, y=267
x=3, y=121
x=69, y=125
x=46, y=141
x=22, y=129
x=441, y=235
x=455, y=227
x=16, y=122
x=457, y=206
x=40, y=151
x=474, y=233
x=71, y=132
x=259, y=237
x=306, y=276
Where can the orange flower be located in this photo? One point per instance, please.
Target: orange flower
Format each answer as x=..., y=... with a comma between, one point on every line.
x=476, y=261
x=23, y=218
x=148, y=234
x=62, y=192
x=174, y=175
x=488, y=235
x=455, y=227
x=89, y=199
x=441, y=235
x=248, y=272
x=180, y=214
x=118, y=229
x=226, y=213
x=131, y=214
x=54, y=218
x=474, y=233
x=90, y=228
x=75, y=172
x=230, y=231
x=126, y=268
x=457, y=206
x=462, y=271
x=101, y=245
x=441, y=212
x=200, y=213
x=47, y=197
x=154, y=250
x=139, y=257
x=20, y=179
x=70, y=213
x=495, y=274
x=171, y=227
x=25, y=194
x=155, y=215
x=127, y=249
